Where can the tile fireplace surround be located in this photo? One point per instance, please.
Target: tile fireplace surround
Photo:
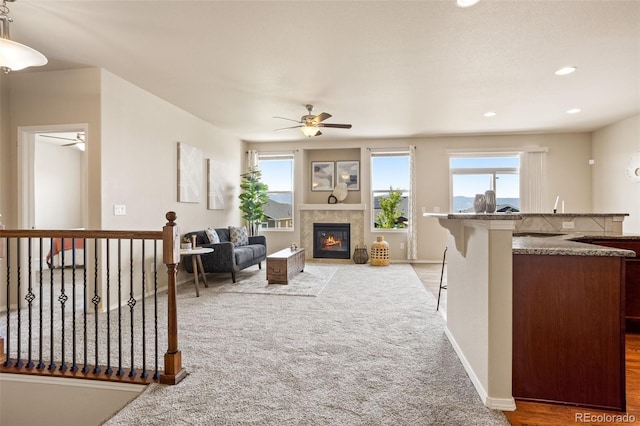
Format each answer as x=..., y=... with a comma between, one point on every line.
x=331, y=213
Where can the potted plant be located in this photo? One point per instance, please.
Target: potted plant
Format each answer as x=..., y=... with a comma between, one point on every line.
x=186, y=243
x=252, y=199
x=390, y=206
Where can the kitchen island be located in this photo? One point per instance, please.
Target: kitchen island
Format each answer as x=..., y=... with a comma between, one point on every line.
x=568, y=322
x=482, y=263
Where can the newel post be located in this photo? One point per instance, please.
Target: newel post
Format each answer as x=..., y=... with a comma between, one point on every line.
x=173, y=371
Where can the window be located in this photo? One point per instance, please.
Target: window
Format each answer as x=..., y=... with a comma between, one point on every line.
x=390, y=170
x=472, y=175
x=277, y=173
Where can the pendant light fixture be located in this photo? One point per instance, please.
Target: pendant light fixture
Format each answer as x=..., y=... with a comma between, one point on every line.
x=13, y=55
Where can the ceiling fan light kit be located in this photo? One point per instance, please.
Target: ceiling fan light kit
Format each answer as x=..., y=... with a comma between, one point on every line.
x=13, y=55
x=310, y=124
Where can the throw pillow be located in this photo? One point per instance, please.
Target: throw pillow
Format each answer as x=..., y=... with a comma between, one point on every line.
x=213, y=236
x=238, y=235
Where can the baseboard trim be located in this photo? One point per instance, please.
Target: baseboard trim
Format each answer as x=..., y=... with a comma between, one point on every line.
x=502, y=404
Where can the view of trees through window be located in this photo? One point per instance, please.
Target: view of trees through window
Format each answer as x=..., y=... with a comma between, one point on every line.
x=390, y=171
x=475, y=175
x=277, y=173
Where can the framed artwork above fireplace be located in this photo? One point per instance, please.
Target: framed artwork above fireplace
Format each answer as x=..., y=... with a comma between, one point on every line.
x=348, y=172
x=322, y=175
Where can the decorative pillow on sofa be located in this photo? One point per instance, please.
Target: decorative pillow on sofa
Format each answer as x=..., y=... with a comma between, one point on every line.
x=213, y=236
x=238, y=236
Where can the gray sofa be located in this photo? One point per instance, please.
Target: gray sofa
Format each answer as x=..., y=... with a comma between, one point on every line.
x=226, y=257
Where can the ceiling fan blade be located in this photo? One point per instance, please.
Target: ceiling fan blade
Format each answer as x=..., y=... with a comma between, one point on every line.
x=318, y=133
x=292, y=127
x=290, y=119
x=321, y=117
x=58, y=137
x=335, y=126
x=71, y=144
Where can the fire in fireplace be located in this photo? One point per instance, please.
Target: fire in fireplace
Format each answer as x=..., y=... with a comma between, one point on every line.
x=331, y=240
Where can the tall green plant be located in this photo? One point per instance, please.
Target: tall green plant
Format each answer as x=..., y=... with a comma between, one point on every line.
x=252, y=199
x=390, y=206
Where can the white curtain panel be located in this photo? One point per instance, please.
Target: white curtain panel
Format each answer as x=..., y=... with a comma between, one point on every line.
x=412, y=231
x=533, y=182
x=252, y=159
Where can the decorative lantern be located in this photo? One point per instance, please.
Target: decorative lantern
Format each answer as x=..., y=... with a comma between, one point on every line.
x=380, y=252
x=360, y=255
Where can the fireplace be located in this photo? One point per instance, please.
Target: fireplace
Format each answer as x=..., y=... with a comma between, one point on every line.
x=331, y=240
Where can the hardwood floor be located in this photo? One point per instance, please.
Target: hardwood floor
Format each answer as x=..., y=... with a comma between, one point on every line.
x=530, y=413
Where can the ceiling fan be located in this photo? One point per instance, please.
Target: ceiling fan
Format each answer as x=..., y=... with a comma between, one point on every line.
x=79, y=140
x=310, y=124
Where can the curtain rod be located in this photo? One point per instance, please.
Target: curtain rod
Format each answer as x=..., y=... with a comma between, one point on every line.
x=396, y=150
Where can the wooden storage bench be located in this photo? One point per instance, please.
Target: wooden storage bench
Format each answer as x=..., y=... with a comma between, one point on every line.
x=284, y=265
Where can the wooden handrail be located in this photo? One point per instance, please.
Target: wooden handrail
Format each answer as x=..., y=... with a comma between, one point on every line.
x=173, y=370
x=80, y=233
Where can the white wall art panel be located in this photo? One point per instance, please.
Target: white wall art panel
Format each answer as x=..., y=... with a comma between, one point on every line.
x=189, y=173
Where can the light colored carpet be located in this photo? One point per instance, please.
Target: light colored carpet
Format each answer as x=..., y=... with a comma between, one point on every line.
x=369, y=350
x=252, y=280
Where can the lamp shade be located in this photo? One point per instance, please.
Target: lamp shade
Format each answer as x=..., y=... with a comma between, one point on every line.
x=309, y=130
x=16, y=56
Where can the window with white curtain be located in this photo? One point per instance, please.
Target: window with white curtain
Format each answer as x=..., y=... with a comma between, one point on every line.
x=390, y=170
x=277, y=173
x=475, y=173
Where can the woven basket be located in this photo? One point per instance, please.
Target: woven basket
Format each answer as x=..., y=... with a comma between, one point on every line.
x=380, y=252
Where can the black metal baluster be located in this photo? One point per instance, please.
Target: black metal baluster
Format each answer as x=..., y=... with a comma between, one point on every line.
x=29, y=298
x=63, y=300
x=19, y=362
x=40, y=310
x=144, y=374
x=52, y=366
x=156, y=374
x=7, y=362
x=109, y=370
x=131, y=302
x=74, y=364
x=120, y=371
x=85, y=369
x=96, y=301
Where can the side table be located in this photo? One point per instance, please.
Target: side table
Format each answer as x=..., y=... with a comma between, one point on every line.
x=197, y=263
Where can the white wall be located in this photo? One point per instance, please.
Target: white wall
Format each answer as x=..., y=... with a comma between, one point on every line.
x=569, y=176
x=58, y=186
x=612, y=190
x=5, y=149
x=131, y=154
x=139, y=160
x=51, y=401
x=59, y=97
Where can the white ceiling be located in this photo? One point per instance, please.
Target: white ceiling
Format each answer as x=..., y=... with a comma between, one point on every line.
x=391, y=68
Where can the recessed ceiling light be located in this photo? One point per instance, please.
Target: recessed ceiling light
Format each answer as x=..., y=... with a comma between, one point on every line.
x=573, y=110
x=566, y=70
x=466, y=3
x=490, y=114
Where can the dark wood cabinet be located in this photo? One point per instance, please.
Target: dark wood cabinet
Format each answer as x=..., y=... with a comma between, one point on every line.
x=568, y=330
x=632, y=277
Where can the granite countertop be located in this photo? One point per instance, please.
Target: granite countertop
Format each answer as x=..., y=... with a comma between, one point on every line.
x=563, y=245
x=475, y=216
x=514, y=216
x=575, y=214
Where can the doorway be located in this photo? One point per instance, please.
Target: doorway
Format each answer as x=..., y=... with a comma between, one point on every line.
x=52, y=178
